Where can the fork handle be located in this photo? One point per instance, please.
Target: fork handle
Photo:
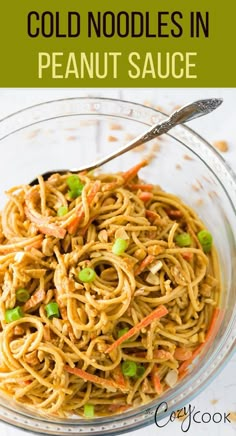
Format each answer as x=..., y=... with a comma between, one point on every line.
x=182, y=115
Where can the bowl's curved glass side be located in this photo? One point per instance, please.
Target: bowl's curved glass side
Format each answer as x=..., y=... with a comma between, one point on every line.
x=77, y=106
x=182, y=163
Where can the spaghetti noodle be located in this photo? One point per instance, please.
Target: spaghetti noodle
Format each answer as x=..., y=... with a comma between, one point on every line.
x=102, y=306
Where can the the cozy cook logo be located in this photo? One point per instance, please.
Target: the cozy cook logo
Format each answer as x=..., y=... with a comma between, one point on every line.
x=189, y=415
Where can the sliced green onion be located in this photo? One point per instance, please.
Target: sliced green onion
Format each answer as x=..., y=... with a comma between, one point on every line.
x=121, y=332
x=63, y=210
x=73, y=182
x=140, y=371
x=129, y=368
x=89, y=410
x=52, y=310
x=75, y=186
x=205, y=238
x=87, y=275
x=14, y=314
x=74, y=194
x=183, y=240
x=119, y=246
x=22, y=295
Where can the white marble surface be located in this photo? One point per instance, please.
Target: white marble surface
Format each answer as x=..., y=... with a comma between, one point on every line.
x=220, y=395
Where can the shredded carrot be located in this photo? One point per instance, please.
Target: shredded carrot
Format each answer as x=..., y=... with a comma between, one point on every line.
x=83, y=173
x=174, y=213
x=145, y=196
x=152, y=216
x=183, y=367
x=132, y=172
x=182, y=354
x=26, y=382
x=63, y=312
x=148, y=259
x=156, y=380
x=156, y=314
x=210, y=331
x=53, y=230
x=35, y=299
x=110, y=186
x=94, y=190
x=84, y=229
x=182, y=374
x=187, y=256
x=44, y=226
x=135, y=187
x=74, y=224
x=118, y=376
x=162, y=354
x=106, y=383
x=36, y=244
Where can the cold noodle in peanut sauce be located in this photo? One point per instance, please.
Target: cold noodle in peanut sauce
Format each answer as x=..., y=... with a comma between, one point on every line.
x=109, y=289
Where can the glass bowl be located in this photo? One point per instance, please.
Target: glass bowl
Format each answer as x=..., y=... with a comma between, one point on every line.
x=72, y=132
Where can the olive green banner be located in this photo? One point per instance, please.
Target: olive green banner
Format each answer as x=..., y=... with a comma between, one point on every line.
x=125, y=43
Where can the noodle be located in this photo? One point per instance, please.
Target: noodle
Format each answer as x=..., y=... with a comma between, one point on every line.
x=150, y=305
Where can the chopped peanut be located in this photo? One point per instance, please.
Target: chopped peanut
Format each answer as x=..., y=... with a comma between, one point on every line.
x=199, y=202
x=112, y=138
x=201, y=337
x=46, y=333
x=233, y=416
x=167, y=286
x=194, y=338
x=176, y=107
x=187, y=157
x=109, y=274
x=215, y=402
x=155, y=249
x=161, y=109
x=103, y=236
x=115, y=126
x=195, y=188
x=205, y=290
x=221, y=146
x=181, y=415
x=141, y=147
x=18, y=331
x=121, y=233
x=101, y=346
x=156, y=146
x=153, y=279
x=140, y=254
x=32, y=358
x=48, y=246
x=108, y=201
x=129, y=137
x=148, y=103
x=210, y=280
